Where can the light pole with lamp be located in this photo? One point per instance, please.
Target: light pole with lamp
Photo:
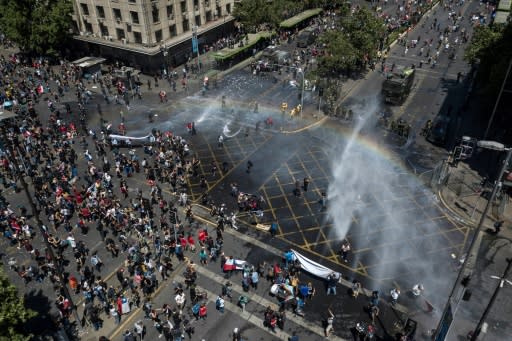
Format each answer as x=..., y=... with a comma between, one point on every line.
x=195, y=46
x=466, y=270
x=299, y=70
x=503, y=279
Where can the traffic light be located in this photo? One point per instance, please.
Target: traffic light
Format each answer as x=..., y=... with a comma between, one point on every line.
x=321, y=91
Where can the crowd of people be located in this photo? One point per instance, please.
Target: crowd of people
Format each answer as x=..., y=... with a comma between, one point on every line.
x=79, y=179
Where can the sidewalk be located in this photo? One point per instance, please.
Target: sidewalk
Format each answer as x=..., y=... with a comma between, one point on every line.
x=465, y=200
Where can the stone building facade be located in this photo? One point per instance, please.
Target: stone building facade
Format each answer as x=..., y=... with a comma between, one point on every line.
x=150, y=34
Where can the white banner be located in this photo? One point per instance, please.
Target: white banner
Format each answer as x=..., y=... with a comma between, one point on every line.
x=122, y=137
x=313, y=267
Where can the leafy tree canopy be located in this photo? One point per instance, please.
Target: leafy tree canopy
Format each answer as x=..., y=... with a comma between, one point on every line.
x=13, y=313
x=357, y=39
x=491, y=47
x=37, y=27
x=252, y=13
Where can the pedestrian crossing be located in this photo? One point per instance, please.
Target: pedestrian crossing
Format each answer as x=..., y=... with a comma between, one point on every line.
x=260, y=300
x=248, y=316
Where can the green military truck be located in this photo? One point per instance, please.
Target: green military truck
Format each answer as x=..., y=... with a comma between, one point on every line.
x=397, y=85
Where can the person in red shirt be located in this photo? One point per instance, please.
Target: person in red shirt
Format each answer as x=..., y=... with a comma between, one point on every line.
x=203, y=312
x=183, y=242
x=203, y=234
x=191, y=243
x=86, y=213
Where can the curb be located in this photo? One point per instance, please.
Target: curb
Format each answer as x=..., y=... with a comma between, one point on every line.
x=457, y=216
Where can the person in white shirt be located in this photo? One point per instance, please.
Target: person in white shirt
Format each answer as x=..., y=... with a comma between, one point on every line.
x=180, y=300
x=417, y=289
x=219, y=303
x=395, y=293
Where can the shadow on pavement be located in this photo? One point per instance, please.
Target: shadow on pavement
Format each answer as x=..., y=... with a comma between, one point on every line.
x=41, y=325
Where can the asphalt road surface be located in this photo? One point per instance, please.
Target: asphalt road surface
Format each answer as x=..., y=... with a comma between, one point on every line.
x=385, y=252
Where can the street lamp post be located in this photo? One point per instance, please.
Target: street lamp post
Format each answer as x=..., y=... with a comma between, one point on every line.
x=503, y=279
x=497, y=101
x=195, y=46
x=302, y=91
x=466, y=269
x=299, y=70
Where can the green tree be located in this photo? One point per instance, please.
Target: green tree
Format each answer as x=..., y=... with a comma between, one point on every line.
x=252, y=13
x=37, y=27
x=357, y=40
x=365, y=32
x=340, y=55
x=491, y=48
x=13, y=314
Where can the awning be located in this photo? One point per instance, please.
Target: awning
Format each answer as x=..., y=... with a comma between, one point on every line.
x=295, y=20
x=86, y=62
x=227, y=53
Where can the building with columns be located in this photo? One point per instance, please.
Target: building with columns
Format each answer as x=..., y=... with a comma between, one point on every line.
x=150, y=34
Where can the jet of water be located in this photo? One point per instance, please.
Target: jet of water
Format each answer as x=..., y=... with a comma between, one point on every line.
x=227, y=132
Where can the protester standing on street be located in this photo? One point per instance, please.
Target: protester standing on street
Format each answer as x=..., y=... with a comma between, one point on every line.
x=345, y=248
x=332, y=280
x=329, y=325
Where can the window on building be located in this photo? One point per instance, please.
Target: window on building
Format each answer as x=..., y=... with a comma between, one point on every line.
x=85, y=9
x=209, y=15
x=88, y=27
x=155, y=13
x=135, y=17
x=132, y=1
x=117, y=14
x=172, y=31
x=104, y=30
x=183, y=6
x=170, y=11
x=186, y=25
x=137, y=37
x=100, y=12
x=120, y=33
x=158, y=36
x=198, y=20
x=228, y=8
x=196, y=3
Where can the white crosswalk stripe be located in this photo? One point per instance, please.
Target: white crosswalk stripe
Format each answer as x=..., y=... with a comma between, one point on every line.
x=264, y=302
x=250, y=317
